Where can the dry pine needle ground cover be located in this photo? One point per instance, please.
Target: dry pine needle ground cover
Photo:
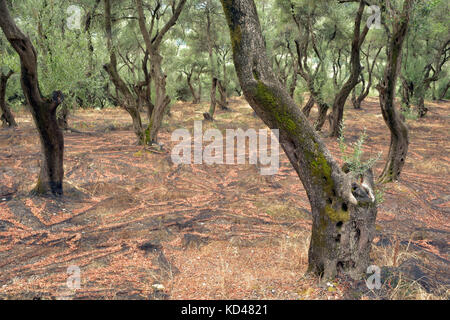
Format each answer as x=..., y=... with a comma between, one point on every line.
x=140, y=227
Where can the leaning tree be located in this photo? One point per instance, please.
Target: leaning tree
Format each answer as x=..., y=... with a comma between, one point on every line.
x=342, y=203
x=43, y=109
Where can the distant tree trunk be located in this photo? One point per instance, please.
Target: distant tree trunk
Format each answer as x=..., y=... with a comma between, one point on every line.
x=343, y=221
x=51, y=174
x=223, y=96
x=357, y=100
x=294, y=79
x=322, y=117
x=128, y=101
x=212, y=108
x=62, y=117
x=444, y=92
x=5, y=112
x=422, y=110
x=199, y=89
x=441, y=58
x=399, y=132
x=162, y=100
x=153, y=43
x=407, y=90
x=195, y=98
x=308, y=106
x=342, y=95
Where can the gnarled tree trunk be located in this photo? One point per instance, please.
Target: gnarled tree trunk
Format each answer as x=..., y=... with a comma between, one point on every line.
x=223, y=96
x=127, y=100
x=5, y=112
x=308, y=106
x=43, y=110
x=153, y=43
x=342, y=95
x=195, y=97
x=399, y=132
x=343, y=208
x=212, y=107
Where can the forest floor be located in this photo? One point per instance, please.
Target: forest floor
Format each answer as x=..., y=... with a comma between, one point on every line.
x=140, y=227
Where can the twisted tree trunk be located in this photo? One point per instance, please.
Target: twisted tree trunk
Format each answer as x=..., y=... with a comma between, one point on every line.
x=5, y=112
x=343, y=206
x=308, y=106
x=153, y=43
x=342, y=95
x=399, y=132
x=127, y=100
x=223, y=96
x=195, y=97
x=43, y=110
x=212, y=108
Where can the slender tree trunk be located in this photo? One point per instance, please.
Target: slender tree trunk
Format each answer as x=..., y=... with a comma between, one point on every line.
x=399, y=132
x=223, y=96
x=5, y=112
x=212, y=108
x=128, y=101
x=308, y=106
x=191, y=88
x=162, y=100
x=422, y=110
x=444, y=92
x=153, y=43
x=322, y=117
x=343, y=221
x=43, y=110
x=342, y=95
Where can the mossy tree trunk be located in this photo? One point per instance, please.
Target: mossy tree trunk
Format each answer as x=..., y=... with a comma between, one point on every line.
x=5, y=112
x=43, y=110
x=399, y=132
x=343, y=206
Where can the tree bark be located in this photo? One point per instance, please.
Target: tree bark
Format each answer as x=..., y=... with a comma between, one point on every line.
x=343, y=220
x=153, y=43
x=43, y=110
x=308, y=106
x=357, y=101
x=399, y=132
x=127, y=101
x=342, y=95
x=223, y=96
x=195, y=98
x=212, y=108
x=6, y=115
x=444, y=92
